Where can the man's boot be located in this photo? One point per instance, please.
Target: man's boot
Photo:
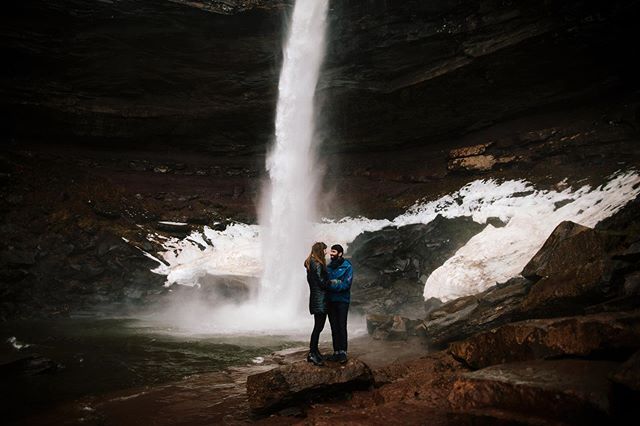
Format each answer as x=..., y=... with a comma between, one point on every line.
x=334, y=357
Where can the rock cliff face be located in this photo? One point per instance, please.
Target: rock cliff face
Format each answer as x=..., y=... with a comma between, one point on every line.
x=138, y=90
x=134, y=74
x=430, y=69
x=203, y=74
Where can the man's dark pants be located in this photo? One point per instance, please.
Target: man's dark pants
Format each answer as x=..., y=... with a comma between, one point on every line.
x=338, y=320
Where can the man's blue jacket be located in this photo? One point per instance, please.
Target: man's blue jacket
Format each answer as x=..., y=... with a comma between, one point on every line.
x=342, y=272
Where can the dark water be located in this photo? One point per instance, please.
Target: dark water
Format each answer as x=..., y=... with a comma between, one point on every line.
x=93, y=356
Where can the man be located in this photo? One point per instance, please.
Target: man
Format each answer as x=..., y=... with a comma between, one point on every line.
x=340, y=273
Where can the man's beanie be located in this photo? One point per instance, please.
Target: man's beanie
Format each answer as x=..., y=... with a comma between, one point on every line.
x=338, y=248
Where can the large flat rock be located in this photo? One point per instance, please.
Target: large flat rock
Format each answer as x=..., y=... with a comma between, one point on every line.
x=571, y=391
x=303, y=380
x=605, y=335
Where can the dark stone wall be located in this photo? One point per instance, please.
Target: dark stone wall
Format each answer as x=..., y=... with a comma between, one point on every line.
x=202, y=76
x=133, y=74
x=406, y=73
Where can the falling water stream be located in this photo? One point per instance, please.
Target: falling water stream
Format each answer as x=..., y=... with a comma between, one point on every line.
x=289, y=203
x=288, y=208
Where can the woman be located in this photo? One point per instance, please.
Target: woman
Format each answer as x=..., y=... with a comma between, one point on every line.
x=317, y=278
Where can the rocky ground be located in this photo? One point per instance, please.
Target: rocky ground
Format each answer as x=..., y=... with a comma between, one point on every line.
x=211, y=398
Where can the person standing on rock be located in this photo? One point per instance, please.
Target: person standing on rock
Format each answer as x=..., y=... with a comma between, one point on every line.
x=318, y=284
x=339, y=296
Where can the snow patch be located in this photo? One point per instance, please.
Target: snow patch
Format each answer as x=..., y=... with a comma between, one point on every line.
x=497, y=254
x=13, y=341
x=494, y=255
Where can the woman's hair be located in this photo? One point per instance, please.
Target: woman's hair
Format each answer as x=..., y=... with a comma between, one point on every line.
x=317, y=254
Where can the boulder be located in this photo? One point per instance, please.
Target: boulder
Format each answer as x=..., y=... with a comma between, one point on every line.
x=571, y=391
x=571, y=270
x=303, y=381
x=463, y=317
x=603, y=335
x=393, y=327
x=392, y=264
x=377, y=321
x=550, y=259
x=399, y=329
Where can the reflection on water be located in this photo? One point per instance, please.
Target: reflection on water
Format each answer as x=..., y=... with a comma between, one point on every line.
x=101, y=355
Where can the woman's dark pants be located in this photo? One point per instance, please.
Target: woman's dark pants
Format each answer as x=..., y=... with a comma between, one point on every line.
x=319, y=321
x=338, y=319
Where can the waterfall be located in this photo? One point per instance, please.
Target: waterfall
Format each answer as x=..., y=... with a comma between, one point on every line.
x=287, y=213
x=289, y=203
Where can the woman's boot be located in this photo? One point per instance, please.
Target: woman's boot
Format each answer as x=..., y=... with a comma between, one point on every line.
x=315, y=358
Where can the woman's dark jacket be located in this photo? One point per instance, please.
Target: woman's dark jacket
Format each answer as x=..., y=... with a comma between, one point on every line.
x=318, y=284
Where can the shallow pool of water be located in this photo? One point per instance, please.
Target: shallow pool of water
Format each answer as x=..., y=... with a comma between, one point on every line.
x=97, y=355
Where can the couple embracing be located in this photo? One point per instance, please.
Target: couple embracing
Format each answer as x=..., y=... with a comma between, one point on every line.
x=330, y=295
